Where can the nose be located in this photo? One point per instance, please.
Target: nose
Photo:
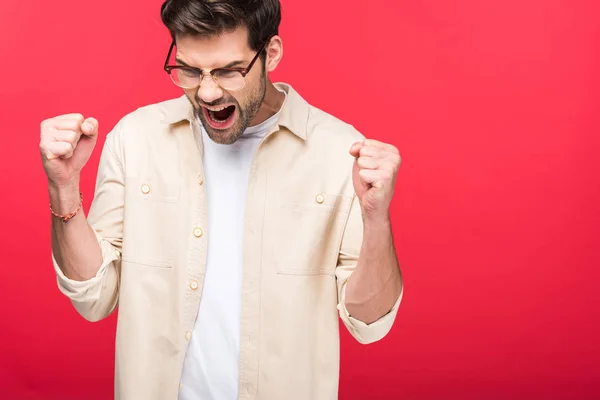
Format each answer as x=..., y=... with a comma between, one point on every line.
x=209, y=91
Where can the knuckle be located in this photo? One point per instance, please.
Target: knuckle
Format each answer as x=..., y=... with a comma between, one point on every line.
x=367, y=151
x=45, y=144
x=72, y=125
x=363, y=162
x=46, y=126
x=78, y=117
x=370, y=142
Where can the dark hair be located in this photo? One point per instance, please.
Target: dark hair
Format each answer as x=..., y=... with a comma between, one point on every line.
x=214, y=17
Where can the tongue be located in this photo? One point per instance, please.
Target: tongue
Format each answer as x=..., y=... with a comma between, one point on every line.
x=224, y=114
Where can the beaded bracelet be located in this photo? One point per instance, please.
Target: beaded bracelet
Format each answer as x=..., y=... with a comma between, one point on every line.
x=66, y=218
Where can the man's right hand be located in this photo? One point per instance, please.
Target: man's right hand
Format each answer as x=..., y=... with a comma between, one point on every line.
x=66, y=144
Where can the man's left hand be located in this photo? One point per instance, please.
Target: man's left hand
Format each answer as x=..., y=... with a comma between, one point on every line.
x=374, y=176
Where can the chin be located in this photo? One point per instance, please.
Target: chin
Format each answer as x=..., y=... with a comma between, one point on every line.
x=228, y=136
x=220, y=139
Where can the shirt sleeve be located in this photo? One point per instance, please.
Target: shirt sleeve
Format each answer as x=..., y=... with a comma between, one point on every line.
x=348, y=258
x=97, y=297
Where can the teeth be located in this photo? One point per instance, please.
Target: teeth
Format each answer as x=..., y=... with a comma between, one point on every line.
x=216, y=109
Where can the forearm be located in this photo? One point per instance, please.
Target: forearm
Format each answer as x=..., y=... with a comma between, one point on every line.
x=74, y=244
x=376, y=283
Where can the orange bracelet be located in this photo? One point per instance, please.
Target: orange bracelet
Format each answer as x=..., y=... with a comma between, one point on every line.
x=66, y=218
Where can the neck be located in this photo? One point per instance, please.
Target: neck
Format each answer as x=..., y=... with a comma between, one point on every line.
x=271, y=104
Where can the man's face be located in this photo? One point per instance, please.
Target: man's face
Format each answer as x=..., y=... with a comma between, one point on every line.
x=224, y=114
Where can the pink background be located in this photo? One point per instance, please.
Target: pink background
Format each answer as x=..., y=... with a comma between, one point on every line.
x=495, y=108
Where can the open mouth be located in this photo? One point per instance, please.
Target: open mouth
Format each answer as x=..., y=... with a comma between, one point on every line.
x=220, y=117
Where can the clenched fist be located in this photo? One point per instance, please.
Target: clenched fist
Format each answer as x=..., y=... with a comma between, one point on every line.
x=66, y=143
x=374, y=173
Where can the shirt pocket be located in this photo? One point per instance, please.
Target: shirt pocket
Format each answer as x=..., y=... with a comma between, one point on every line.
x=309, y=230
x=149, y=226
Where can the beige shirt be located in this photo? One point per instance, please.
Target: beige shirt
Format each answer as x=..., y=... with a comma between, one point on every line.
x=302, y=238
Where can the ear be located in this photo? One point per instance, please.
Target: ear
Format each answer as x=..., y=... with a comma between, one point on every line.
x=274, y=53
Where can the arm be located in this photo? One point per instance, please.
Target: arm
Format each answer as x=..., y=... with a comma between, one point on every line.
x=354, y=275
x=376, y=284
x=369, y=280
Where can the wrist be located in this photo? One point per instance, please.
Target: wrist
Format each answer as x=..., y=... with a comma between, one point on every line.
x=64, y=198
x=376, y=219
x=66, y=185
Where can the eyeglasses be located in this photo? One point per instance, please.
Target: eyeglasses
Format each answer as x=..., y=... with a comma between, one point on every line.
x=187, y=77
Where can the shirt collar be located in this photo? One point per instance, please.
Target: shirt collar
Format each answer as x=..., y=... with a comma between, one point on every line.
x=294, y=115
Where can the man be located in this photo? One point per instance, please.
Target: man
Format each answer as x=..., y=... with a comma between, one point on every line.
x=231, y=226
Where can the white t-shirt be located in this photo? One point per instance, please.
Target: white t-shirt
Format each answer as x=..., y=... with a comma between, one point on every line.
x=210, y=370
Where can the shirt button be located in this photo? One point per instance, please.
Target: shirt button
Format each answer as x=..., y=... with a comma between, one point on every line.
x=200, y=180
x=194, y=285
x=145, y=189
x=198, y=232
x=320, y=198
x=188, y=335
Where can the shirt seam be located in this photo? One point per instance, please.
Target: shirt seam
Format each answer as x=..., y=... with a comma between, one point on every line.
x=115, y=158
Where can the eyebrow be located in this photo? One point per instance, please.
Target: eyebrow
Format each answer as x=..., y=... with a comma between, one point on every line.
x=230, y=65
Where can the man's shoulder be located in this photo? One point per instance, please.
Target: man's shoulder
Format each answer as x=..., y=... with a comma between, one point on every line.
x=320, y=119
x=164, y=112
x=150, y=123
x=314, y=124
x=325, y=128
x=148, y=128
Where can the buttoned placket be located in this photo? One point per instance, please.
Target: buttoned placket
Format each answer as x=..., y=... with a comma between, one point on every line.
x=250, y=316
x=195, y=219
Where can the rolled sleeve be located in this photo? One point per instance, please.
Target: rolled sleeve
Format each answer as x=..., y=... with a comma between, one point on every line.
x=367, y=333
x=347, y=261
x=89, y=290
x=95, y=298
